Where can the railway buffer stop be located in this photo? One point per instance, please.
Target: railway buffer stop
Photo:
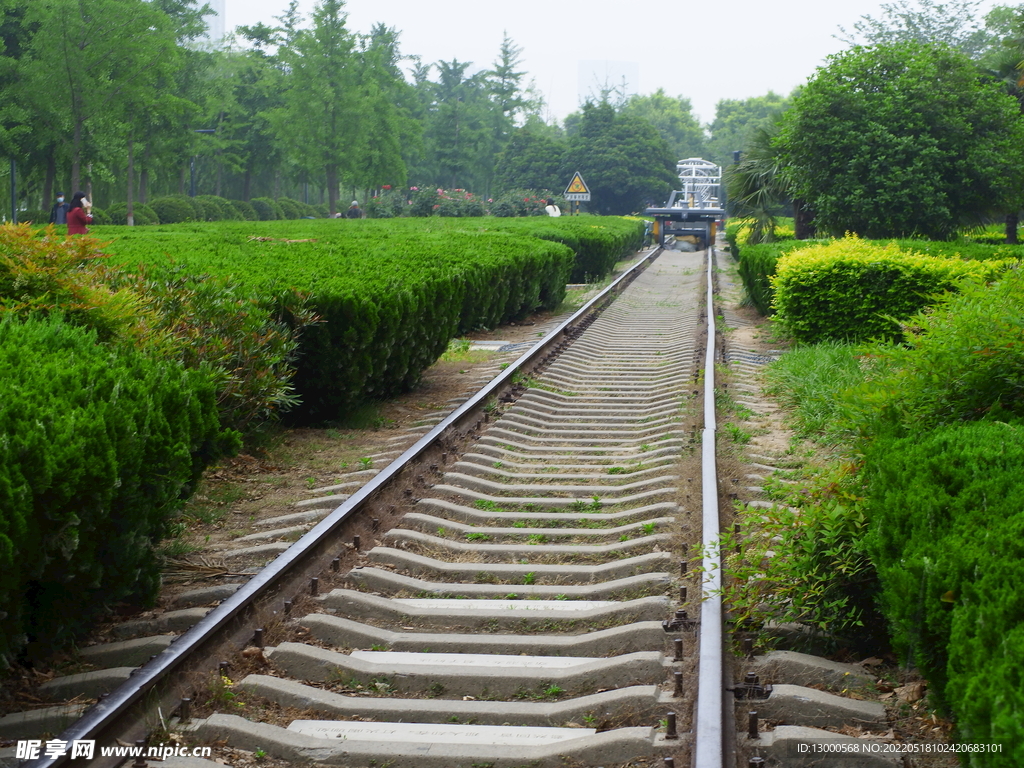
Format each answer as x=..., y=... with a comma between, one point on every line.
x=692, y=213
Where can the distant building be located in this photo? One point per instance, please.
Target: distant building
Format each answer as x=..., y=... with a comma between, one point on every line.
x=215, y=26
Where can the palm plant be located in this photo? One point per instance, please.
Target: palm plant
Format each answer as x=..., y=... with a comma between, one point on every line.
x=756, y=186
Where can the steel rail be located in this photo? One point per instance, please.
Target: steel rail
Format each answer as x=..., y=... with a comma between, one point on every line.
x=708, y=740
x=100, y=717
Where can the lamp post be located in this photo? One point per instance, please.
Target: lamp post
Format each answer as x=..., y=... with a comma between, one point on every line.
x=192, y=164
x=14, y=192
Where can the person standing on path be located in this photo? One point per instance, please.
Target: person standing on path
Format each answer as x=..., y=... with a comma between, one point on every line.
x=59, y=212
x=79, y=215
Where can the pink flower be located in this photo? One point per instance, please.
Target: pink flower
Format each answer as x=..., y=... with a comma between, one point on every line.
x=387, y=186
x=414, y=189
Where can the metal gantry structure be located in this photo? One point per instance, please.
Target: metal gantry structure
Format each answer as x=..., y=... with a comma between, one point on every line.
x=692, y=212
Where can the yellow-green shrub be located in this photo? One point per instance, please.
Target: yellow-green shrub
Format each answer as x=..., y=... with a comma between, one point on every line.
x=853, y=290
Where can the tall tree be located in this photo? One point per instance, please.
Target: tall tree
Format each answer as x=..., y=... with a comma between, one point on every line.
x=387, y=125
x=456, y=129
x=320, y=122
x=673, y=117
x=903, y=139
x=625, y=161
x=956, y=23
x=86, y=60
x=738, y=121
x=532, y=159
x=508, y=102
x=15, y=129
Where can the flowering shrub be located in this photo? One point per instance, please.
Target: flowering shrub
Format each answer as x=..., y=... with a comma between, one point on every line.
x=523, y=202
x=458, y=202
x=445, y=202
x=387, y=204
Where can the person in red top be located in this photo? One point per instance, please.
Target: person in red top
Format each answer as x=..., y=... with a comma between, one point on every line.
x=79, y=215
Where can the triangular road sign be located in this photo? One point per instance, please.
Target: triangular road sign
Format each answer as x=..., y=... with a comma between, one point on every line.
x=577, y=186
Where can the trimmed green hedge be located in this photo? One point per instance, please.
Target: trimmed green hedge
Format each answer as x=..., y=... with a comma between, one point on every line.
x=759, y=262
x=758, y=266
x=98, y=446
x=947, y=538
x=598, y=242
x=390, y=297
x=854, y=290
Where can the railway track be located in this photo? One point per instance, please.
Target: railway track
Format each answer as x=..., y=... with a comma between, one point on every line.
x=521, y=587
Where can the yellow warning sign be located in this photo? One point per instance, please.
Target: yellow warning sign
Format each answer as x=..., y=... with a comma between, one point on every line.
x=577, y=189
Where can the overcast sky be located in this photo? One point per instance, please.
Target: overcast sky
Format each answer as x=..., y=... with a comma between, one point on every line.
x=704, y=51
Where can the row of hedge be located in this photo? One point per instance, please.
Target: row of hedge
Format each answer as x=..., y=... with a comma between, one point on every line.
x=457, y=203
x=120, y=381
x=389, y=297
x=99, y=445
x=177, y=209
x=597, y=242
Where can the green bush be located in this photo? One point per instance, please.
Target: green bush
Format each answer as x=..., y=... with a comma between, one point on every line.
x=758, y=266
x=200, y=320
x=851, y=289
x=985, y=690
x=820, y=574
x=100, y=217
x=958, y=249
x=963, y=360
x=265, y=208
x=292, y=208
x=946, y=511
x=141, y=213
x=244, y=210
x=522, y=202
x=174, y=209
x=389, y=204
x=216, y=208
x=459, y=203
x=36, y=217
x=101, y=444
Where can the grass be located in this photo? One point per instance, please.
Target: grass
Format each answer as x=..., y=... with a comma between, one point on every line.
x=460, y=351
x=811, y=380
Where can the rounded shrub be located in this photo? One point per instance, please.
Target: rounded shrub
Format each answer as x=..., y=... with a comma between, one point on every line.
x=245, y=210
x=141, y=213
x=36, y=217
x=216, y=208
x=265, y=209
x=100, y=217
x=292, y=208
x=174, y=209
